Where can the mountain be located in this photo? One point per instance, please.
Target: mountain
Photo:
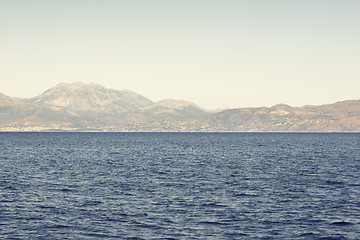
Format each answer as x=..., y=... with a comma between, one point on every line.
x=15, y=107
x=82, y=99
x=170, y=107
x=18, y=115
x=92, y=107
x=163, y=111
x=338, y=117
x=179, y=105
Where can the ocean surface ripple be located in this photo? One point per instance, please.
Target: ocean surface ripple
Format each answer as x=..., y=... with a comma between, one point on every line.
x=179, y=186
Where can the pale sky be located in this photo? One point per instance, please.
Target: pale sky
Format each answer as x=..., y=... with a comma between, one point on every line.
x=215, y=53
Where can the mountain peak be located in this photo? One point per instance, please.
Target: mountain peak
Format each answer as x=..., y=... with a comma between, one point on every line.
x=171, y=103
x=79, y=97
x=281, y=106
x=174, y=107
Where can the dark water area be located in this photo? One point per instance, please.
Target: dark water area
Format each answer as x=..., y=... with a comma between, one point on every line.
x=179, y=186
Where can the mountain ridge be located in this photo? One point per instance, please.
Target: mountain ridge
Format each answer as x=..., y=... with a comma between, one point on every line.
x=91, y=107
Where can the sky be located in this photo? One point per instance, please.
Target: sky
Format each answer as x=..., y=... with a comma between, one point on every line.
x=215, y=53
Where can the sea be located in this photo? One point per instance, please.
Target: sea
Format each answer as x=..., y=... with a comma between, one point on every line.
x=180, y=186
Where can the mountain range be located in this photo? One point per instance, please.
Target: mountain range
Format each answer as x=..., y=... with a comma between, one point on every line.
x=92, y=107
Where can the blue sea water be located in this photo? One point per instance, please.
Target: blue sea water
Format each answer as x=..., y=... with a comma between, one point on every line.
x=179, y=186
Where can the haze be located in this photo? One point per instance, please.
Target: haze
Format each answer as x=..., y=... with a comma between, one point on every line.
x=216, y=54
